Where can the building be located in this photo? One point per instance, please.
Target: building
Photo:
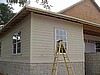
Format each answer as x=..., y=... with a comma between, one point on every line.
x=27, y=42
x=88, y=10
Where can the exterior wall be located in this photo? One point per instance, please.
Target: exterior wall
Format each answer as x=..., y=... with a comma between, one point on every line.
x=14, y=68
x=43, y=39
x=45, y=69
x=38, y=47
x=17, y=68
x=85, y=10
x=92, y=64
x=92, y=58
x=43, y=44
x=90, y=46
x=6, y=53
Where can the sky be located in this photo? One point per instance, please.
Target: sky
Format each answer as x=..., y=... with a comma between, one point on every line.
x=58, y=5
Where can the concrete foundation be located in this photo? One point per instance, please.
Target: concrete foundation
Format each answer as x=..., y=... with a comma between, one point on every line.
x=17, y=68
x=92, y=64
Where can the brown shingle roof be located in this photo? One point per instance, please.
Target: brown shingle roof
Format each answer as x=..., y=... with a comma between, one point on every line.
x=95, y=4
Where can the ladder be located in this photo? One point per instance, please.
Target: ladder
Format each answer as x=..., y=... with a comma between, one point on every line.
x=60, y=48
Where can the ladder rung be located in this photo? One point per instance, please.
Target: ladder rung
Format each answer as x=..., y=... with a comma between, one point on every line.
x=55, y=63
x=53, y=69
x=56, y=57
x=60, y=60
x=66, y=58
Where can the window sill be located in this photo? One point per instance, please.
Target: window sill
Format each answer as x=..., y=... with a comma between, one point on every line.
x=19, y=54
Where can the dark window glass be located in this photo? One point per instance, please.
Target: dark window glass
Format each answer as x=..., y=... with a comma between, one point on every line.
x=97, y=46
x=14, y=48
x=17, y=43
x=19, y=47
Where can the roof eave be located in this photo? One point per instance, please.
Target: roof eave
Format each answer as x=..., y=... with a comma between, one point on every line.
x=95, y=4
x=61, y=16
x=15, y=18
x=26, y=10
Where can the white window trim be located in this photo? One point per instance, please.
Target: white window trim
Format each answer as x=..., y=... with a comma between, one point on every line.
x=16, y=44
x=66, y=39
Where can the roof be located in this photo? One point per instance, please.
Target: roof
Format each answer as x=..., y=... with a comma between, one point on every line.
x=95, y=4
x=70, y=7
x=27, y=10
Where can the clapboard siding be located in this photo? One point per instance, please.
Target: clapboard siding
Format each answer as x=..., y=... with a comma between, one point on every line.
x=24, y=27
x=43, y=39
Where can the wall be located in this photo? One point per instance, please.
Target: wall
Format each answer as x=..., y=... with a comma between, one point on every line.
x=38, y=52
x=92, y=58
x=6, y=53
x=16, y=68
x=90, y=46
x=43, y=39
x=92, y=64
x=43, y=44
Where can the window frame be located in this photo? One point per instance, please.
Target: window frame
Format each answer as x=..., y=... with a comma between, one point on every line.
x=96, y=46
x=64, y=41
x=17, y=44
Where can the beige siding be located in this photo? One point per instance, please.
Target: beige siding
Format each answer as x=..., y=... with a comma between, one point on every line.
x=43, y=39
x=24, y=26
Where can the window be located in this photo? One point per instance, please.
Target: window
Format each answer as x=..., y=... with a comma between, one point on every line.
x=17, y=43
x=0, y=48
x=61, y=34
x=97, y=46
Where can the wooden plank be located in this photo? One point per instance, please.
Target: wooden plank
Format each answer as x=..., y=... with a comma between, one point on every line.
x=89, y=32
x=91, y=28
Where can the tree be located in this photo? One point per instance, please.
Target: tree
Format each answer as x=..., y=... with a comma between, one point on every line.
x=6, y=13
x=25, y=2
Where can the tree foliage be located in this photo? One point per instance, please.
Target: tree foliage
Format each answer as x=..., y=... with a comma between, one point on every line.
x=21, y=2
x=6, y=13
x=25, y=2
x=45, y=4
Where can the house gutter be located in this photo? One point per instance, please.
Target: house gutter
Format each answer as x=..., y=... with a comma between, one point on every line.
x=61, y=16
